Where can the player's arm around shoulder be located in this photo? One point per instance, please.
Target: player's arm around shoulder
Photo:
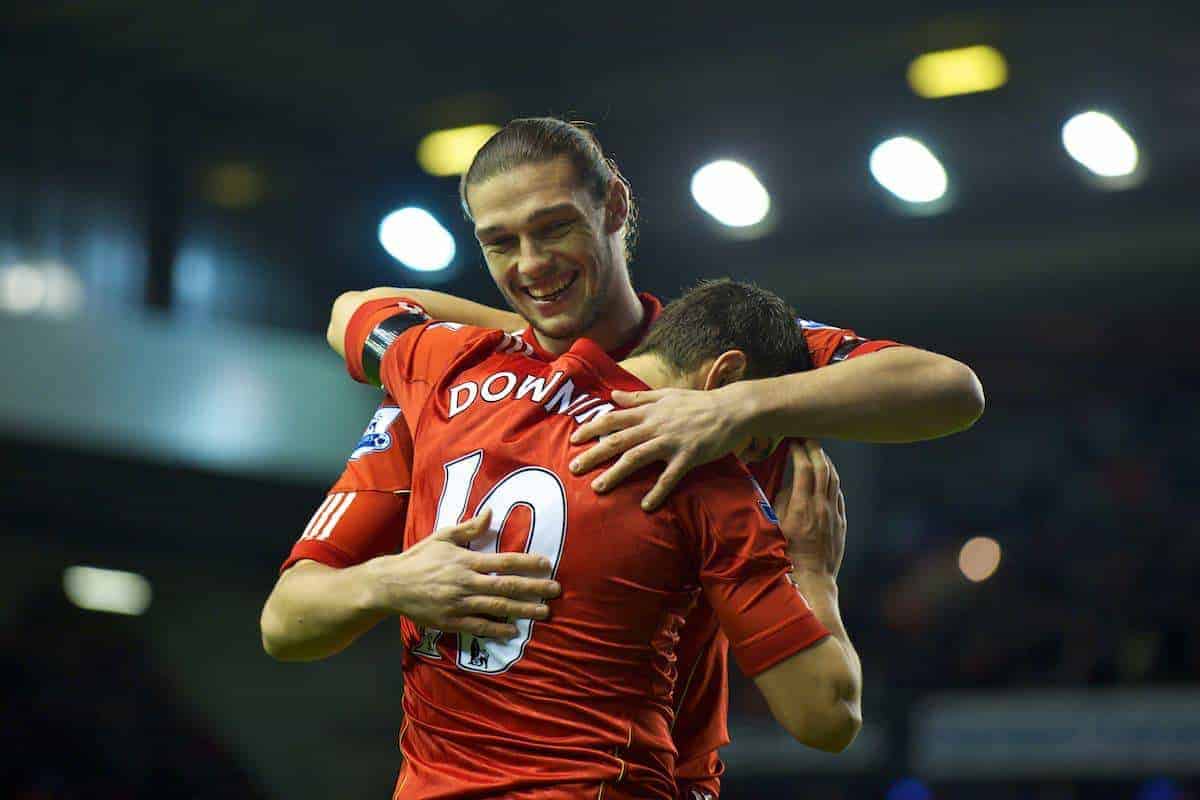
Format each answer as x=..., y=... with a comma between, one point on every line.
x=438, y=305
x=816, y=694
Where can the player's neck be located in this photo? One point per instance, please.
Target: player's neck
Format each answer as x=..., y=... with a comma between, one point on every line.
x=654, y=372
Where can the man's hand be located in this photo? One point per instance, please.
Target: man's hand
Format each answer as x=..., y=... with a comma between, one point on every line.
x=682, y=427
x=439, y=583
x=812, y=510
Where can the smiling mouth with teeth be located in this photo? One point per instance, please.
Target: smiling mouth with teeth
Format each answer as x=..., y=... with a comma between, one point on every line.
x=553, y=291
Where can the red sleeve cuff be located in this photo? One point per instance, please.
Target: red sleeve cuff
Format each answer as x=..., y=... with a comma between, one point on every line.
x=871, y=346
x=364, y=320
x=321, y=552
x=766, y=649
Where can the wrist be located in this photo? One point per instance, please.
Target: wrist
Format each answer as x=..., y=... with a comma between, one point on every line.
x=745, y=409
x=759, y=408
x=373, y=584
x=817, y=585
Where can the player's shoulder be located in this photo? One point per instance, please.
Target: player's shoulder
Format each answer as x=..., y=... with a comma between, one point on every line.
x=723, y=475
x=721, y=487
x=457, y=339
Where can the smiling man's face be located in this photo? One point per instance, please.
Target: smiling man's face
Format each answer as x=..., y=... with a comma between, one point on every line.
x=550, y=247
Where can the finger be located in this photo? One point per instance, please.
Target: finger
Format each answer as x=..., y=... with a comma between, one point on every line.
x=606, y=424
x=630, y=399
x=820, y=467
x=478, y=626
x=630, y=462
x=466, y=532
x=526, y=564
x=802, y=470
x=503, y=608
x=783, y=497
x=841, y=505
x=666, y=483
x=835, y=480
x=611, y=447
x=514, y=587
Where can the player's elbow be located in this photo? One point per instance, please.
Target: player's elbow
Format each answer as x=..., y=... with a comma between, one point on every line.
x=816, y=695
x=830, y=729
x=277, y=640
x=339, y=317
x=273, y=640
x=963, y=393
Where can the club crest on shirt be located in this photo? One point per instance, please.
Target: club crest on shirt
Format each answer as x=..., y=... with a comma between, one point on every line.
x=375, y=438
x=699, y=794
x=764, y=505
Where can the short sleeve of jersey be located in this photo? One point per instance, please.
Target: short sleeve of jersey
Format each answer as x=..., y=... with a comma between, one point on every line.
x=363, y=514
x=744, y=568
x=830, y=345
x=826, y=345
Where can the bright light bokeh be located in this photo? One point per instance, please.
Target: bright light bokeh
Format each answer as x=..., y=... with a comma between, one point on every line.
x=907, y=169
x=979, y=558
x=416, y=239
x=965, y=70
x=40, y=288
x=731, y=193
x=109, y=590
x=1098, y=141
x=450, y=152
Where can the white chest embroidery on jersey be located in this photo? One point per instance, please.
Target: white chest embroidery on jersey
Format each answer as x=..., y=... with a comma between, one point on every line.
x=564, y=397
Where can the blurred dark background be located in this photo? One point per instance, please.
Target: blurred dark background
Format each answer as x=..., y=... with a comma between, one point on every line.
x=184, y=188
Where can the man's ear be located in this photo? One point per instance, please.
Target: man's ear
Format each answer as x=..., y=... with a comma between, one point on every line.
x=616, y=205
x=730, y=366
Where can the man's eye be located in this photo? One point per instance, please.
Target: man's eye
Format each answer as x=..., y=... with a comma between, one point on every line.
x=500, y=245
x=557, y=228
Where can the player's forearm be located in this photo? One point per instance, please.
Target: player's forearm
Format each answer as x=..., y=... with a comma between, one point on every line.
x=901, y=394
x=842, y=709
x=316, y=611
x=438, y=304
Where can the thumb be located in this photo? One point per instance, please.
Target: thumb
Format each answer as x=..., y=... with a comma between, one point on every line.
x=469, y=530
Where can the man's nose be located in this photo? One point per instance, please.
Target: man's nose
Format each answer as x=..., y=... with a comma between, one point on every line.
x=535, y=260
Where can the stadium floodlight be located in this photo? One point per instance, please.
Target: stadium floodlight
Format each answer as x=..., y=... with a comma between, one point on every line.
x=731, y=193
x=110, y=590
x=1098, y=142
x=418, y=241
x=964, y=70
x=907, y=169
x=449, y=152
x=979, y=558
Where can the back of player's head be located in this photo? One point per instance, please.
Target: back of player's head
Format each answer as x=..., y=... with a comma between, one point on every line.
x=717, y=316
x=535, y=140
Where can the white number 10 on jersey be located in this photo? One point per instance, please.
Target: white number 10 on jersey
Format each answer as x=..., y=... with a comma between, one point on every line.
x=543, y=494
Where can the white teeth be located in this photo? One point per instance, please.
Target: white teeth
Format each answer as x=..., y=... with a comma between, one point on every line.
x=549, y=291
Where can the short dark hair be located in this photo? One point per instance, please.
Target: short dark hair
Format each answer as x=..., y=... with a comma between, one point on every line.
x=534, y=140
x=720, y=315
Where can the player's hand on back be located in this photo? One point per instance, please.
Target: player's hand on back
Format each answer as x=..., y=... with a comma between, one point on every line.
x=812, y=510
x=683, y=428
x=440, y=583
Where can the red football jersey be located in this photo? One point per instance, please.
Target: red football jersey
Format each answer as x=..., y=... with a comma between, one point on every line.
x=372, y=522
x=581, y=703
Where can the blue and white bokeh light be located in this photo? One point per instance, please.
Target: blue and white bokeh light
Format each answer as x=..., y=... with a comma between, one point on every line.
x=416, y=239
